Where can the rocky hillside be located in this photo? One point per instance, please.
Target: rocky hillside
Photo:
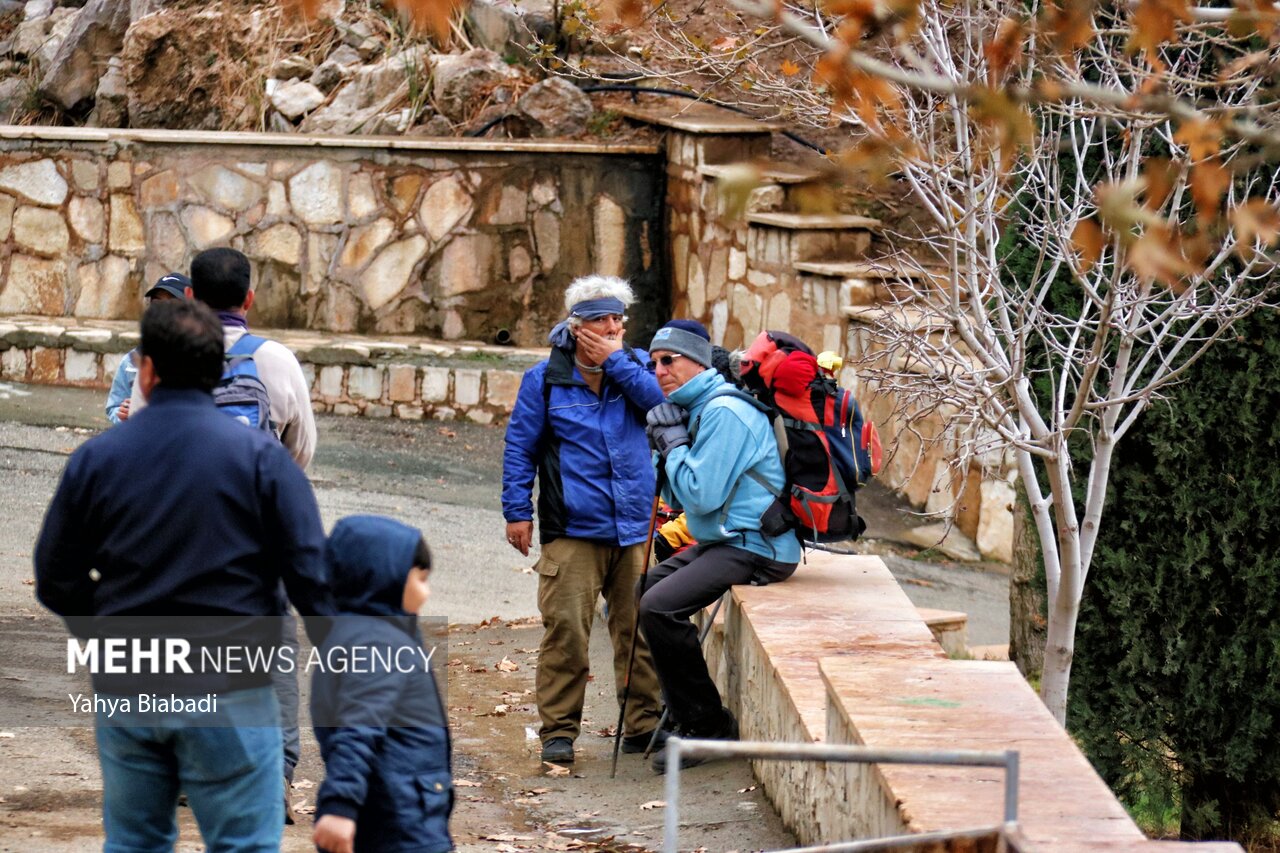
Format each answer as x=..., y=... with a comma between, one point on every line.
x=355, y=68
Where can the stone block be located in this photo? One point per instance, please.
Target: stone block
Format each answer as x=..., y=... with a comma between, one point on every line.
x=85, y=175
x=680, y=261
x=377, y=411
x=40, y=230
x=401, y=382
x=207, y=227
x=503, y=385
x=226, y=189
x=389, y=273
x=779, y=315
x=309, y=373
x=466, y=264
x=717, y=275
x=408, y=412
x=443, y=413
x=480, y=416
x=160, y=190
x=13, y=364
x=331, y=382
x=719, y=322
x=346, y=409
x=277, y=200
x=35, y=286
x=87, y=218
x=280, y=243
x=446, y=205
x=119, y=175
x=546, y=238
x=81, y=366
x=361, y=200
x=363, y=241
x=46, y=365
x=37, y=180
x=507, y=207
x=365, y=383
x=316, y=194
x=745, y=308
x=995, y=521
x=126, y=234
x=519, y=264
x=7, y=206
x=435, y=384
x=404, y=192
x=466, y=387
x=610, y=247
x=697, y=288
x=107, y=290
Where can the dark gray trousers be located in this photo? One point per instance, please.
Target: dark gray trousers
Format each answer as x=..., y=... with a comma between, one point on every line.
x=676, y=589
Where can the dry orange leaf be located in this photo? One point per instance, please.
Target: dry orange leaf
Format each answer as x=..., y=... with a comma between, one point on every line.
x=1157, y=256
x=789, y=68
x=1070, y=25
x=1209, y=180
x=1202, y=136
x=1155, y=23
x=1256, y=219
x=1159, y=175
x=1088, y=240
x=1004, y=51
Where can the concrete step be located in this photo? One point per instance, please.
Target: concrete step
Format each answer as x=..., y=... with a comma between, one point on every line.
x=950, y=628
x=881, y=269
x=770, y=173
x=814, y=221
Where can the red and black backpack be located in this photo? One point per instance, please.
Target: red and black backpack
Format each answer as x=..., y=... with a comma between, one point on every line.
x=828, y=450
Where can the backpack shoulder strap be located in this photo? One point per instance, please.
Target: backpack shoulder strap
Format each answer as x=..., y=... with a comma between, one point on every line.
x=246, y=344
x=728, y=391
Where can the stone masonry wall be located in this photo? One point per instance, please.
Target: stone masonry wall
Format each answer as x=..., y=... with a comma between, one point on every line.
x=450, y=239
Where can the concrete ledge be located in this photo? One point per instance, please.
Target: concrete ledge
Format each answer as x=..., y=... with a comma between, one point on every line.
x=403, y=377
x=839, y=654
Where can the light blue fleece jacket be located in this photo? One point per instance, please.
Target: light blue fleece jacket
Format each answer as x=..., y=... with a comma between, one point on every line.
x=732, y=438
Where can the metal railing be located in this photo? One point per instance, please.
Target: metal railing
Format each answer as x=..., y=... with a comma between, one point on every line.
x=678, y=748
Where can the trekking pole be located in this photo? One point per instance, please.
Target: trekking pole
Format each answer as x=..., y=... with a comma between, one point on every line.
x=702, y=639
x=635, y=628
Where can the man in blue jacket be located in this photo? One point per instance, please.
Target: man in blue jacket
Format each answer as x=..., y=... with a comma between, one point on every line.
x=718, y=452
x=169, y=286
x=578, y=427
x=183, y=513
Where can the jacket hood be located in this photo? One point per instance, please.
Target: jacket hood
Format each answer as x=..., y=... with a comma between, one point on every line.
x=368, y=559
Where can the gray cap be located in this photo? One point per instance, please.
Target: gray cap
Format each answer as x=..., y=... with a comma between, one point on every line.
x=686, y=343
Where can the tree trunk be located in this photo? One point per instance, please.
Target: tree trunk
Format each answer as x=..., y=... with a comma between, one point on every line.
x=1027, y=613
x=1059, y=651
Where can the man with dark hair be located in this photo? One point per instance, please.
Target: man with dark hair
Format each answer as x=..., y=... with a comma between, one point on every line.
x=220, y=278
x=209, y=527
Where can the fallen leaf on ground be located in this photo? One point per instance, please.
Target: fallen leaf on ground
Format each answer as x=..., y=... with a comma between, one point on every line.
x=527, y=801
x=555, y=771
x=507, y=836
x=507, y=665
x=7, y=734
x=607, y=732
x=652, y=804
x=446, y=432
x=466, y=783
x=303, y=784
x=747, y=790
x=917, y=582
x=536, y=792
x=497, y=642
x=301, y=809
x=28, y=582
x=526, y=651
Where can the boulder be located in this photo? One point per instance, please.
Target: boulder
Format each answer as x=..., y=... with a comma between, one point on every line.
x=437, y=125
x=328, y=75
x=468, y=81
x=360, y=36
x=97, y=34
x=37, y=9
x=294, y=98
x=14, y=94
x=39, y=38
x=555, y=107
x=293, y=67
x=509, y=29
x=372, y=90
x=111, y=100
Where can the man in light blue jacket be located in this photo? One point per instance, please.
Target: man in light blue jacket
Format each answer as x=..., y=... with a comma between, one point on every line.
x=718, y=453
x=171, y=286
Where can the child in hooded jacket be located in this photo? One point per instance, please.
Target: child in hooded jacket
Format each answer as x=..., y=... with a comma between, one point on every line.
x=383, y=731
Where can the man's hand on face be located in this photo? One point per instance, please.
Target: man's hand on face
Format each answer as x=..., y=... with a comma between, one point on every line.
x=596, y=348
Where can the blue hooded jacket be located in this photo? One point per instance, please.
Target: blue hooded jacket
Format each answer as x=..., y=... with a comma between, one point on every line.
x=383, y=731
x=589, y=453
x=732, y=438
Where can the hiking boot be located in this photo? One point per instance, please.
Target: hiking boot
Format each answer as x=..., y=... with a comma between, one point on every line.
x=639, y=743
x=721, y=727
x=558, y=750
x=288, y=806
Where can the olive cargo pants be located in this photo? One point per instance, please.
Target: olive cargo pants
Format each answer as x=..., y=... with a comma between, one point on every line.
x=571, y=574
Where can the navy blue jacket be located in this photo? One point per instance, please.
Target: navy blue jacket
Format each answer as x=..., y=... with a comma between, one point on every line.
x=182, y=512
x=589, y=453
x=382, y=730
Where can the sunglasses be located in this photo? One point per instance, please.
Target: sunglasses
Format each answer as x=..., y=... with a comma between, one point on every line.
x=665, y=361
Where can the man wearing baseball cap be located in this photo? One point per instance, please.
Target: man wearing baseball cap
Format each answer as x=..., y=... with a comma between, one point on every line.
x=171, y=286
x=722, y=468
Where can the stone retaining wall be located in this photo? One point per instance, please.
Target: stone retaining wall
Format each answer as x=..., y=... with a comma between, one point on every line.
x=454, y=239
x=394, y=377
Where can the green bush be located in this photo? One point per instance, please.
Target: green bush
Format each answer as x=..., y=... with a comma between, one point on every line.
x=1175, y=690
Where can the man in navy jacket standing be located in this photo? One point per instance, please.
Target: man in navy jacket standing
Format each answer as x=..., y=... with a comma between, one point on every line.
x=184, y=512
